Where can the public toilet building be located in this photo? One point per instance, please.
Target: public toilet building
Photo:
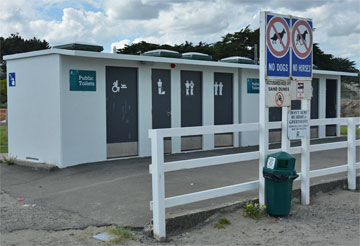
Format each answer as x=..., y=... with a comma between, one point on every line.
x=68, y=107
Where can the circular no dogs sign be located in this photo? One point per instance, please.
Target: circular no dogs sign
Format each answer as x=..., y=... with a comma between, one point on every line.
x=302, y=39
x=278, y=36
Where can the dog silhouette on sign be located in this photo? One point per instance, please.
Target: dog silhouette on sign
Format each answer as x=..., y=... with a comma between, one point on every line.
x=299, y=39
x=275, y=37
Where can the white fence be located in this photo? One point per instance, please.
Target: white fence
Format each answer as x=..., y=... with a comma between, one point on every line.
x=158, y=168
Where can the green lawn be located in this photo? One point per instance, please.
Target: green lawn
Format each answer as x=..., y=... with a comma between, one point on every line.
x=3, y=140
x=343, y=131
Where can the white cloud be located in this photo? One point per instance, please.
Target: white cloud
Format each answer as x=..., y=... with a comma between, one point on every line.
x=133, y=9
x=120, y=44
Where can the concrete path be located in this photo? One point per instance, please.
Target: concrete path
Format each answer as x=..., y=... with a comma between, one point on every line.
x=119, y=191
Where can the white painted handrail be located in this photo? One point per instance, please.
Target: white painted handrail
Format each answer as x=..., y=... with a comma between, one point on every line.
x=158, y=168
x=200, y=130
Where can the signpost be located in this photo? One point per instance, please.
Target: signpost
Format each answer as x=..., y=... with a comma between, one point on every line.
x=285, y=74
x=277, y=46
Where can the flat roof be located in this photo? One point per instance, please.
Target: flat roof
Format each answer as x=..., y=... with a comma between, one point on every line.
x=139, y=58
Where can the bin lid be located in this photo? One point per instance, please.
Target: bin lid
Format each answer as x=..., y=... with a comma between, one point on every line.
x=162, y=53
x=80, y=46
x=197, y=56
x=280, y=161
x=282, y=156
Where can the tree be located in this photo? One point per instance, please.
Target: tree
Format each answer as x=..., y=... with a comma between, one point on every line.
x=329, y=62
x=241, y=43
x=16, y=44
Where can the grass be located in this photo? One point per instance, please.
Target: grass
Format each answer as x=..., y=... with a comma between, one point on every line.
x=221, y=223
x=121, y=234
x=343, y=131
x=8, y=160
x=3, y=140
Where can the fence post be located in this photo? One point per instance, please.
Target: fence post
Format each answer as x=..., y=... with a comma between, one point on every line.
x=263, y=113
x=305, y=161
x=285, y=142
x=158, y=186
x=351, y=154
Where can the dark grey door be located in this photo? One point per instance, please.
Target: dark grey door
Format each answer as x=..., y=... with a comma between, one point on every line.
x=331, y=105
x=161, y=99
x=314, y=112
x=275, y=114
x=223, y=98
x=121, y=111
x=191, y=106
x=223, y=106
x=191, y=98
x=315, y=99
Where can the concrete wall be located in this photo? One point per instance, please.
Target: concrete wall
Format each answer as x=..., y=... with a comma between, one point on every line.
x=83, y=113
x=34, y=109
x=322, y=101
x=249, y=107
x=50, y=123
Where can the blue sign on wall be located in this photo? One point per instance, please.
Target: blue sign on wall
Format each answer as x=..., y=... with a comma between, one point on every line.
x=253, y=86
x=302, y=42
x=277, y=46
x=12, y=80
x=82, y=80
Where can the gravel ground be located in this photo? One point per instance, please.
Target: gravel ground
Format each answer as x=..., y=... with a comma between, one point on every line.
x=332, y=219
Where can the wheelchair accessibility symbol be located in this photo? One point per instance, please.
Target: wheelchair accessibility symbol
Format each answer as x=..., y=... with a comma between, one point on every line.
x=116, y=88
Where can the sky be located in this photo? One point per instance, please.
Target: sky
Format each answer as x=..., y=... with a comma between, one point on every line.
x=118, y=22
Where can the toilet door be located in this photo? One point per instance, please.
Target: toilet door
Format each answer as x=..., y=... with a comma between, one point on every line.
x=191, y=107
x=121, y=111
x=161, y=102
x=223, y=106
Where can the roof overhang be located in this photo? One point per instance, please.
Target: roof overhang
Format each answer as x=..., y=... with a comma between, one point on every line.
x=139, y=58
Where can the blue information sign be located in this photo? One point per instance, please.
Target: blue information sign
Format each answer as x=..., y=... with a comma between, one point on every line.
x=301, y=53
x=12, y=80
x=277, y=46
x=253, y=86
x=82, y=80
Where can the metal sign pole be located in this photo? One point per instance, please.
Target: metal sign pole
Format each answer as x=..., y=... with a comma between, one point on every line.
x=263, y=111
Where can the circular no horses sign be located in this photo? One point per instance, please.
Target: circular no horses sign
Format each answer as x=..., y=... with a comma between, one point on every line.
x=302, y=39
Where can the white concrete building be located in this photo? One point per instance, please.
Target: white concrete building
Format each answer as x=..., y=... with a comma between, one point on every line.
x=68, y=107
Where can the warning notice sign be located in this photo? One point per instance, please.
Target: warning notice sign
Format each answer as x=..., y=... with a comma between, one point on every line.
x=298, y=124
x=278, y=93
x=301, y=89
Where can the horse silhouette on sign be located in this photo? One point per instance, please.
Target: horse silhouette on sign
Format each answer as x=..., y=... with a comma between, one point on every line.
x=274, y=38
x=299, y=39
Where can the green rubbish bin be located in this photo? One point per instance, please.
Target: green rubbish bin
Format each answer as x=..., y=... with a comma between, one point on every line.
x=279, y=173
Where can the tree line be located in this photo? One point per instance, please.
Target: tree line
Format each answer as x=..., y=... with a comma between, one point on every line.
x=240, y=43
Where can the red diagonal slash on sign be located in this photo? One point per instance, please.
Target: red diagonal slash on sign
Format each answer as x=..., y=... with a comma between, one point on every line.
x=278, y=36
x=302, y=38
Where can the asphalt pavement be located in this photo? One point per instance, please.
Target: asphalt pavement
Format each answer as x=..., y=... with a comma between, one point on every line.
x=119, y=191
